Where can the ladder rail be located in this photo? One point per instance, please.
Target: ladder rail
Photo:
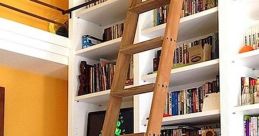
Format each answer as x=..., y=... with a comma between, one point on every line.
x=164, y=68
x=127, y=49
x=121, y=68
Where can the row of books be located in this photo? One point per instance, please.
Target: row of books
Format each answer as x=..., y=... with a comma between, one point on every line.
x=189, y=100
x=99, y=77
x=251, y=125
x=193, y=52
x=190, y=7
x=95, y=3
x=251, y=37
x=113, y=32
x=249, y=90
x=189, y=131
x=180, y=132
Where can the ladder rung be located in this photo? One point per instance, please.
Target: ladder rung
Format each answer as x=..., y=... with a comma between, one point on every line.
x=143, y=46
x=134, y=90
x=137, y=134
x=148, y=5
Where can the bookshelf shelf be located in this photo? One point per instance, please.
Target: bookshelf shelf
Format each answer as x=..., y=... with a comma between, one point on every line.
x=107, y=49
x=252, y=109
x=99, y=98
x=191, y=26
x=94, y=98
x=199, y=72
x=249, y=59
x=193, y=118
x=105, y=13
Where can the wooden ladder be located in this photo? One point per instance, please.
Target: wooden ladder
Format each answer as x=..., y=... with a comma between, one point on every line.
x=128, y=49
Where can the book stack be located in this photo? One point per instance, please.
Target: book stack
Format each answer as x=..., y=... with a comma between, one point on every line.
x=95, y=3
x=190, y=7
x=249, y=90
x=113, y=32
x=99, y=77
x=180, y=131
x=251, y=37
x=189, y=131
x=193, y=52
x=251, y=126
x=188, y=101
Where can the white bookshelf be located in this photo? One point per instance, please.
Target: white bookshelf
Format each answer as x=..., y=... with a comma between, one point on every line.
x=92, y=20
x=233, y=65
x=105, y=13
x=193, y=118
x=191, y=26
x=107, y=49
x=200, y=72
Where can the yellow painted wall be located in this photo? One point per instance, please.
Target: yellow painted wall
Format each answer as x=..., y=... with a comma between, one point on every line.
x=36, y=105
x=32, y=7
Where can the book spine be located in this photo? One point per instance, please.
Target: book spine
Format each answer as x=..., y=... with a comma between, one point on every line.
x=170, y=103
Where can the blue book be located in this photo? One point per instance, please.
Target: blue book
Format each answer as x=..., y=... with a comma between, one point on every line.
x=175, y=103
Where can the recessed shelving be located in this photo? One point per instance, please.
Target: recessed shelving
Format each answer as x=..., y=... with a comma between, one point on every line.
x=249, y=59
x=105, y=13
x=247, y=109
x=191, y=26
x=193, y=118
x=107, y=49
x=201, y=71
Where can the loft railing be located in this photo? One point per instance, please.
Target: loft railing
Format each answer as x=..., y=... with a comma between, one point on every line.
x=30, y=14
x=68, y=11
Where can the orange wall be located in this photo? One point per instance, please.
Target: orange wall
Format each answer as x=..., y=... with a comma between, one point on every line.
x=36, y=105
x=32, y=7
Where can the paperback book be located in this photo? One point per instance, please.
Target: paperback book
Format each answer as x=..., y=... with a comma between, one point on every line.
x=183, y=130
x=190, y=7
x=249, y=90
x=113, y=32
x=251, y=37
x=192, y=52
x=99, y=77
x=191, y=100
x=95, y=3
x=251, y=125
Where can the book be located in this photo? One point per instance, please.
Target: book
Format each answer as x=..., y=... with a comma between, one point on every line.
x=193, y=52
x=251, y=37
x=249, y=93
x=113, y=32
x=95, y=3
x=183, y=130
x=186, y=101
x=190, y=7
x=98, y=77
x=251, y=125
